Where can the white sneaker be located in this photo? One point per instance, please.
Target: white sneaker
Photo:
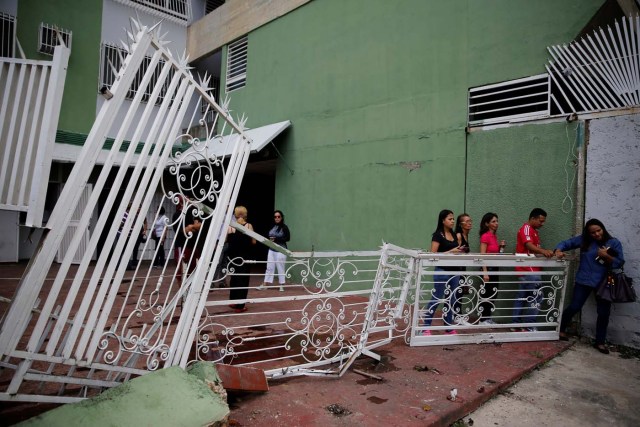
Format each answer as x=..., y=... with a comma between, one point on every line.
x=261, y=287
x=487, y=322
x=281, y=288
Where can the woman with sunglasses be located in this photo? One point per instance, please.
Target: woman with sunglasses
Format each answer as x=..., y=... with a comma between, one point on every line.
x=280, y=235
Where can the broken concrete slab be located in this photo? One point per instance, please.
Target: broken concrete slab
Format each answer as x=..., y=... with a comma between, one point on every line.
x=168, y=397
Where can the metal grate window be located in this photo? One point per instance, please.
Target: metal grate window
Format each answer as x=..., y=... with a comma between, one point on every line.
x=515, y=99
x=237, y=65
x=50, y=36
x=111, y=62
x=174, y=10
x=211, y=5
x=7, y=35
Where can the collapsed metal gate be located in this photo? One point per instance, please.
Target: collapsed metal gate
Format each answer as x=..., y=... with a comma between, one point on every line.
x=96, y=324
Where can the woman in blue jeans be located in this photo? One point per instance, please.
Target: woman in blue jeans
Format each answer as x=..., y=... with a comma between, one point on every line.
x=599, y=252
x=444, y=239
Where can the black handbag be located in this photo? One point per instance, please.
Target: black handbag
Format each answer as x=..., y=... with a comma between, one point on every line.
x=616, y=287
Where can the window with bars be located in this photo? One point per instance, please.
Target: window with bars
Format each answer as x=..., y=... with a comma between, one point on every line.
x=237, y=65
x=111, y=62
x=211, y=5
x=175, y=10
x=514, y=99
x=7, y=35
x=50, y=36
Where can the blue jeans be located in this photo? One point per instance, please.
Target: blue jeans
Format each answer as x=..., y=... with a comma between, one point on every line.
x=442, y=284
x=528, y=299
x=603, y=308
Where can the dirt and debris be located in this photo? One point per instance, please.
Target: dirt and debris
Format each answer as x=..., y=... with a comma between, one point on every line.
x=425, y=368
x=368, y=375
x=338, y=411
x=377, y=400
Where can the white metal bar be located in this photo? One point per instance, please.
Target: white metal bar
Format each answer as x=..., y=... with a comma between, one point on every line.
x=169, y=131
x=23, y=104
x=606, y=67
x=529, y=95
x=612, y=59
x=515, y=107
x=31, y=282
x=12, y=144
x=113, y=196
x=99, y=321
x=590, y=87
x=601, y=79
x=621, y=55
x=69, y=380
x=631, y=62
x=47, y=137
x=33, y=133
x=491, y=86
x=497, y=92
x=83, y=225
x=582, y=94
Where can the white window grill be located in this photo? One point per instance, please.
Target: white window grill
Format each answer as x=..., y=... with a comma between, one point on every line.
x=514, y=99
x=211, y=5
x=598, y=72
x=237, y=64
x=7, y=35
x=174, y=10
x=49, y=38
x=111, y=62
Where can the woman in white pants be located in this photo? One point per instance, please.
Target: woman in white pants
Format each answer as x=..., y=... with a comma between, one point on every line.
x=280, y=235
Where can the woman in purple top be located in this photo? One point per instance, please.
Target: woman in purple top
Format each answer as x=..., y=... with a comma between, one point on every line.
x=489, y=245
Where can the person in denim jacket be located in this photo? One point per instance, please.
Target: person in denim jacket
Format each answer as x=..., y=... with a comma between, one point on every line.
x=599, y=252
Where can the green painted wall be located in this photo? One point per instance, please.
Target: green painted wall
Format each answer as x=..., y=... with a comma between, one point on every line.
x=84, y=19
x=513, y=170
x=377, y=94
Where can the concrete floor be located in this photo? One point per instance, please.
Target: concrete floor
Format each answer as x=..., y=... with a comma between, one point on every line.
x=581, y=387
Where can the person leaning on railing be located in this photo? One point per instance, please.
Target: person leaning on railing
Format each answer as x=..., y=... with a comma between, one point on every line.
x=598, y=253
x=528, y=298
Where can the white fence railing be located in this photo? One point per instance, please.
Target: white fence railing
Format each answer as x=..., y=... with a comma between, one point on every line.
x=521, y=300
x=30, y=100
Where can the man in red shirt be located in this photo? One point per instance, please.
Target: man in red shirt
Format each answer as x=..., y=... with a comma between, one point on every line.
x=529, y=296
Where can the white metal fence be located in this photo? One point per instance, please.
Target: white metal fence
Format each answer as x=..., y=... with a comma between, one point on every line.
x=456, y=304
x=30, y=96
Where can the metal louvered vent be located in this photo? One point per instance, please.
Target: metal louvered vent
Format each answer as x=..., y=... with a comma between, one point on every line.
x=515, y=99
x=237, y=64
